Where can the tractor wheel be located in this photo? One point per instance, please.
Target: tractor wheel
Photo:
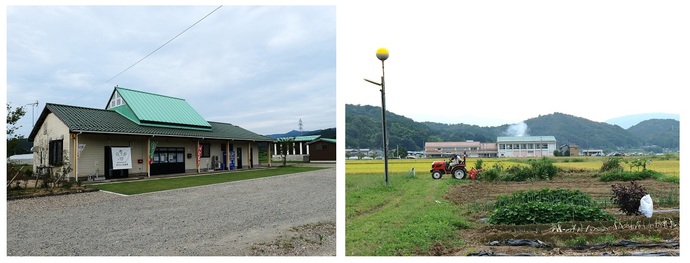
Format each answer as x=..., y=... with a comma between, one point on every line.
x=436, y=175
x=459, y=173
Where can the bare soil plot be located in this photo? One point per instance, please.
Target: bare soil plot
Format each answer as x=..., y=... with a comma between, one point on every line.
x=663, y=226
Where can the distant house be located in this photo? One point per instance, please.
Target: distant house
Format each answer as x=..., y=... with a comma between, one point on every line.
x=593, y=152
x=322, y=149
x=364, y=152
x=302, y=149
x=570, y=149
x=470, y=148
x=21, y=159
x=141, y=134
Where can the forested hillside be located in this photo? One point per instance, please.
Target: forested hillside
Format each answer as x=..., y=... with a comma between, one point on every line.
x=363, y=130
x=586, y=134
x=662, y=133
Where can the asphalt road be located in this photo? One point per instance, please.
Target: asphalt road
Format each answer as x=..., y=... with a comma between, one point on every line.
x=214, y=220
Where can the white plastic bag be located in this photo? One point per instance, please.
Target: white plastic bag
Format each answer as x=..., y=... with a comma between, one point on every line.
x=646, y=206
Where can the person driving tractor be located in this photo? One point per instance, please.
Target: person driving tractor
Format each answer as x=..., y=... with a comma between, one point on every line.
x=454, y=160
x=454, y=166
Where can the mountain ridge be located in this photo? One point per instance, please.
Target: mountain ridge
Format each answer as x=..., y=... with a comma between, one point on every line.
x=325, y=133
x=628, y=121
x=363, y=130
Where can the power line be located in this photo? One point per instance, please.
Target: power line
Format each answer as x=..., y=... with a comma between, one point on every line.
x=154, y=51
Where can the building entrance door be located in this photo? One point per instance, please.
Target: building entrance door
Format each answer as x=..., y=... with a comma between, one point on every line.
x=168, y=160
x=239, y=158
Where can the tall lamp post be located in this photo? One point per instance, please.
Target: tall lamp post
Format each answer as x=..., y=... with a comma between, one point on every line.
x=382, y=54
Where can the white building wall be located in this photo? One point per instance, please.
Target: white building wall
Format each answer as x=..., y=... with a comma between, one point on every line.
x=51, y=129
x=508, y=149
x=91, y=159
x=255, y=153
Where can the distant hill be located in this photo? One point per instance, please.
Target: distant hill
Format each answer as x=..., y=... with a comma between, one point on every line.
x=663, y=133
x=631, y=120
x=363, y=130
x=582, y=132
x=325, y=133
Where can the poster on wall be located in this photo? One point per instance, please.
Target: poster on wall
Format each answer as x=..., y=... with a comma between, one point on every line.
x=122, y=158
x=198, y=155
x=152, y=150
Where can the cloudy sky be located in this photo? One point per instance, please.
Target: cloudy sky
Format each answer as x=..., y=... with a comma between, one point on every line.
x=499, y=62
x=260, y=67
x=477, y=62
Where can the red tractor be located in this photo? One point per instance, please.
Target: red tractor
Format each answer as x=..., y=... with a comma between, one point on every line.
x=457, y=168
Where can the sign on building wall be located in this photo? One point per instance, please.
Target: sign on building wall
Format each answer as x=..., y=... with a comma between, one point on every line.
x=198, y=155
x=122, y=158
x=80, y=148
x=152, y=150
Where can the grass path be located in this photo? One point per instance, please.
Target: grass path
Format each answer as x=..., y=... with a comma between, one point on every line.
x=405, y=218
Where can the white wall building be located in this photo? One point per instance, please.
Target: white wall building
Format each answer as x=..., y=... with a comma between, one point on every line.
x=526, y=146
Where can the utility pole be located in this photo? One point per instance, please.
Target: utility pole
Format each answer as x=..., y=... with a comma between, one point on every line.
x=300, y=127
x=34, y=105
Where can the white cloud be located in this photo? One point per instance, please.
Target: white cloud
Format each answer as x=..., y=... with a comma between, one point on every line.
x=238, y=59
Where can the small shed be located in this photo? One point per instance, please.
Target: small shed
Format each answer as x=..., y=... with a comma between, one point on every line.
x=322, y=149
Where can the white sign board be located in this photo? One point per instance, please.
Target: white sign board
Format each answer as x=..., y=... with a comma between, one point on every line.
x=80, y=148
x=122, y=158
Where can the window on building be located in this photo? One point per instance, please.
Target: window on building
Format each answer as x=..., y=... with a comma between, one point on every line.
x=55, y=152
x=205, y=150
x=168, y=155
x=116, y=101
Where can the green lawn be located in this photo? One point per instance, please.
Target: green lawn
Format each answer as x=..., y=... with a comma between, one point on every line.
x=147, y=186
x=404, y=218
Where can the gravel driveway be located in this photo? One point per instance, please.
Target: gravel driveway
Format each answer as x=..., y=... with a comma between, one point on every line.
x=215, y=220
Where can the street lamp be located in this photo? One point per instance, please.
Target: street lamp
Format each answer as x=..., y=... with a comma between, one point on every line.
x=382, y=54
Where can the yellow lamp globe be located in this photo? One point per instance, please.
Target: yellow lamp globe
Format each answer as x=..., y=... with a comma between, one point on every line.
x=382, y=54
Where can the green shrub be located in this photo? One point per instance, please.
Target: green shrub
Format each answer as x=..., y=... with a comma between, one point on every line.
x=542, y=169
x=493, y=173
x=515, y=173
x=612, y=164
x=546, y=195
x=544, y=213
x=620, y=175
x=546, y=206
x=478, y=165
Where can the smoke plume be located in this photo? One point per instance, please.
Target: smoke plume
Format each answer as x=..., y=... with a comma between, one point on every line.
x=518, y=129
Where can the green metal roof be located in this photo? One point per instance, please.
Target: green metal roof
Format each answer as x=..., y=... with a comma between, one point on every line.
x=526, y=139
x=323, y=139
x=150, y=109
x=302, y=138
x=90, y=120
